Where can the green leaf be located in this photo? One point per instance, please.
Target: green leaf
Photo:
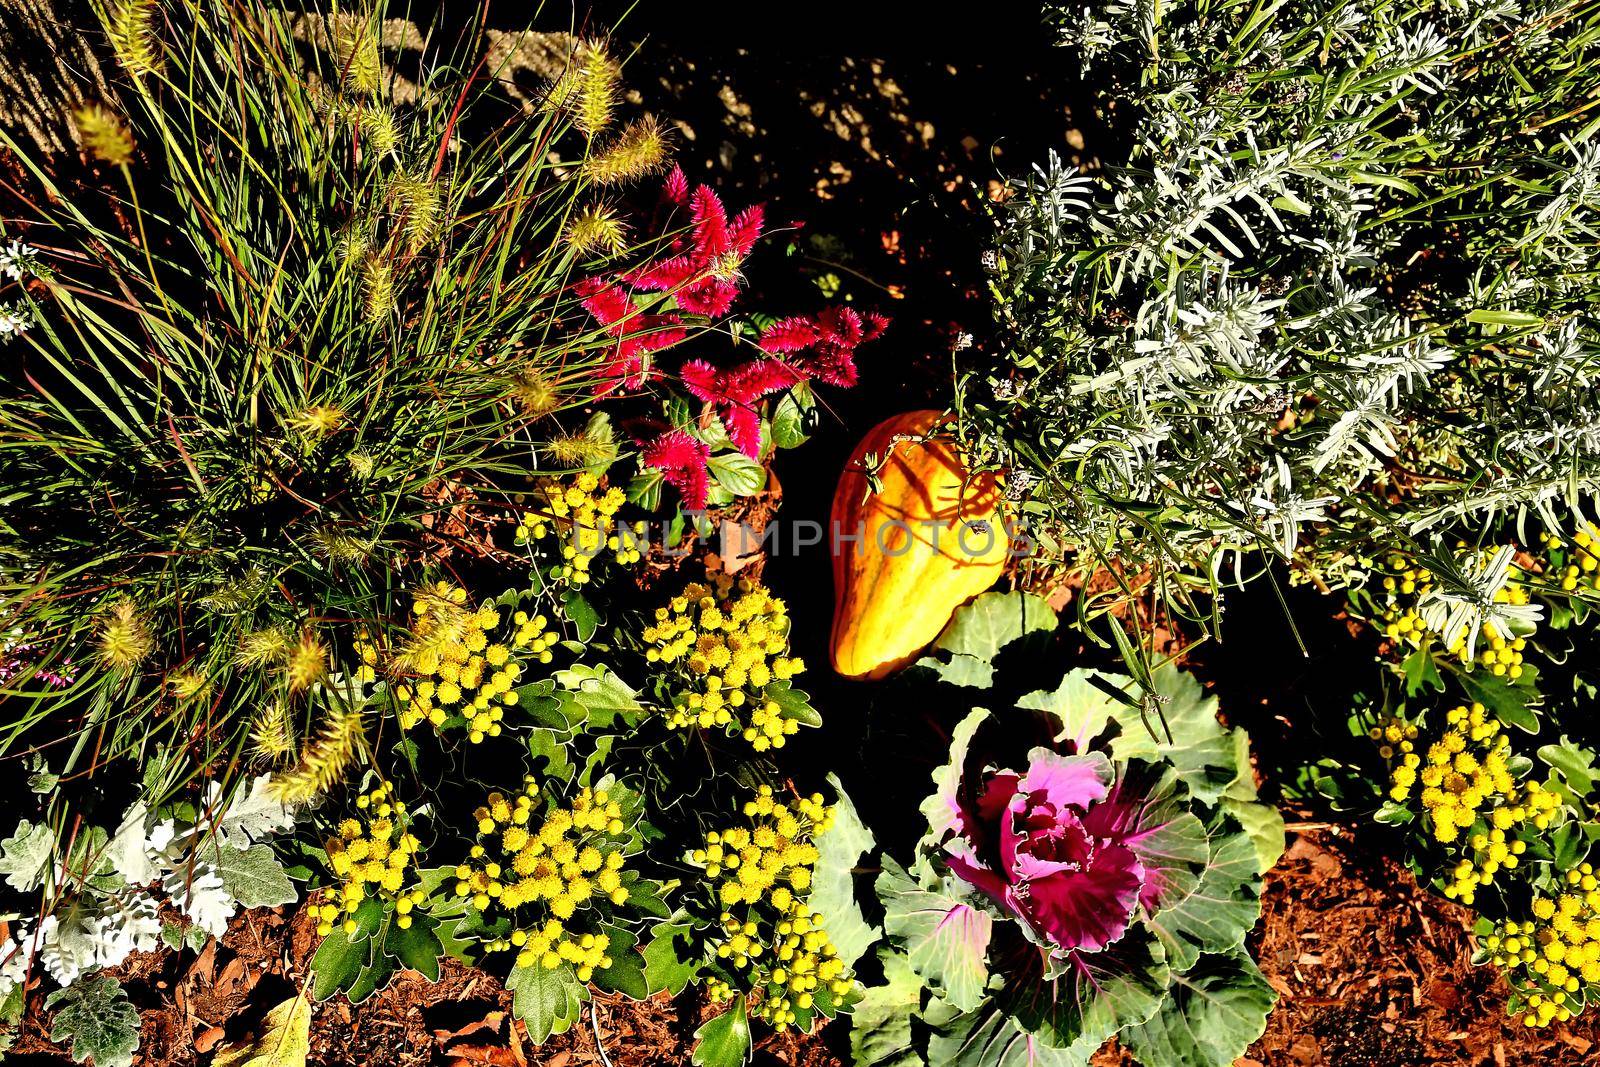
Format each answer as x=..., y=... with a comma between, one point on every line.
x=833, y=885
x=10, y=1015
x=582, y=614
x=337, y=964
x=1264, y=824
x=285, y=1039
x=880, y=1024
x=725, y=1040
x=738, y=473
x=1574, y=767
x=595, y=762
x=988, y=1037
x=603, y=699
x=1205, y=753
x=547, y=1001
x=789, y=417
x=1210, y=1017
x=550, y=758
x=1083, y=709
x=417, y=946
x=1496, y=317
x=645, y=897
x=368, y=919
x=543, y=706
x=1221, y=910
x=95, y=1015
x=626, y=973
x=179, y=936
x=947, y=779
x=254, y=876
x=964, y=654
x=371, y=978
x=1168, y=838
x=1508, y=702
x=25, y=855
x=945, y=939
x=669, y=958
x=1421, y=672
x=792, y=703
x=644, y=489
x=1099, y=994
x=1568, y=847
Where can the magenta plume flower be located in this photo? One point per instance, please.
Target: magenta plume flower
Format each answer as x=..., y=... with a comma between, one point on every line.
x=704, y=273
x=635, y=335
x=682, y=462
x=1055, y=847
x=736, y=392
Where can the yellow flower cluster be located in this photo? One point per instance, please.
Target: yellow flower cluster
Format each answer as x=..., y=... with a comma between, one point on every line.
x=366, y=649
x=454, y=666
x=572, y=858
x=1582, y=568
x=583, y=520
x=1552, y=958
x=371, y=855
x=761, y=874
x=1468, y=789
x=729, y=639
x=1500, y=652
x=1397, y=743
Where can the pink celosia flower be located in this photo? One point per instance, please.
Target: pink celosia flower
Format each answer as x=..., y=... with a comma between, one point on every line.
x=682, y=461
x=736, y=391
x=636, y=335
x=703, y=272
x=826, y=343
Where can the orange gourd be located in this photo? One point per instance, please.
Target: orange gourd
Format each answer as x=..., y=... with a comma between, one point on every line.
x=930, y=539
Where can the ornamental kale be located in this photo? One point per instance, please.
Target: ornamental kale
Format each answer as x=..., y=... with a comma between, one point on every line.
x=1081, y=878
x=1052, y=850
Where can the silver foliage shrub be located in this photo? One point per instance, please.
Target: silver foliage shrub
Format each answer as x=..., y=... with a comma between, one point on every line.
x=1337, y=297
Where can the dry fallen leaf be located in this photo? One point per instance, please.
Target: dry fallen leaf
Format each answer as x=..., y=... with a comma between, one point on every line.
x=284, y=1041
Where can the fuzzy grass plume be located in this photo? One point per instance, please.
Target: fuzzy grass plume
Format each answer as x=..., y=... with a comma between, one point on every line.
x=130, y=27
x=580, y=449
x=421, y=206
x=536, y=394
x=124, y=640
x=355, y=49
x=596, y=229
x=637, y=152
x=325, y=760
x=377, y=288
x=104, y=134
x=589, y=89
x=272, y=737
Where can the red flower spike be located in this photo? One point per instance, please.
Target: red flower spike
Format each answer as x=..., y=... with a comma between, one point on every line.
x=606, y=302
x=789, y=335
x=676, y=189
x=638, y=334
x=736, y=392
x=682, y=462
x=705, y=274
x=828, y=342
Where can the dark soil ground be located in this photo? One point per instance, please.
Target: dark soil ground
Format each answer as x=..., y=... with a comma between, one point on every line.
x=878, y=173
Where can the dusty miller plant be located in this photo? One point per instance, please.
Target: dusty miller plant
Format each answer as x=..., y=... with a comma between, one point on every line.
x=1336, y=297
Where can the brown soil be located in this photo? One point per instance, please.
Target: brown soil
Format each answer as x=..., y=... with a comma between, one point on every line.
x=1373, y=971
